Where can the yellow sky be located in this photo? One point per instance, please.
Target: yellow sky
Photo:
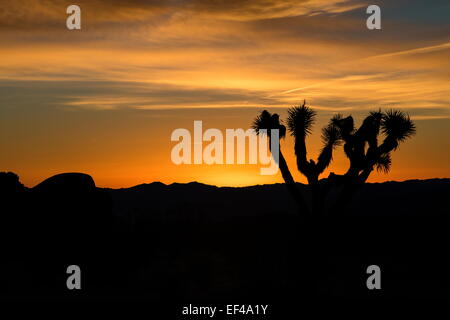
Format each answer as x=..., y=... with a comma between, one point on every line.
x=104, y=100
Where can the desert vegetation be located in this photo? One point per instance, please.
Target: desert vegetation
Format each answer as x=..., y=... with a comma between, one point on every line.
x=368, y=148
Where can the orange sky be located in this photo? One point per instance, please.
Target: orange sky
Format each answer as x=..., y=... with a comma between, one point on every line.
x=104, y=100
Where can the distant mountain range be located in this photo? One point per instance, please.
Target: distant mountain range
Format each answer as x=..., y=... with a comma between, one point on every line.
x=411, y=198
x=185, y=242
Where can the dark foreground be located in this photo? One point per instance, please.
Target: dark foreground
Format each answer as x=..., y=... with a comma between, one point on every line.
x=193, y=243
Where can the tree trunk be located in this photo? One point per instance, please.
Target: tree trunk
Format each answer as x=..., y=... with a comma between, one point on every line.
x=291, y=185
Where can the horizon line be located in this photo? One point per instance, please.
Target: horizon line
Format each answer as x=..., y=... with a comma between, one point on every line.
x=212, y=185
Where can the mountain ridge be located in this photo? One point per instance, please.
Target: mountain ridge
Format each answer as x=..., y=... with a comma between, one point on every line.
x=407, y=198
x=261, y=185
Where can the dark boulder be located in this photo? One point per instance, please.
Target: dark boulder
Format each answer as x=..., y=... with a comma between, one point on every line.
x=67, y=182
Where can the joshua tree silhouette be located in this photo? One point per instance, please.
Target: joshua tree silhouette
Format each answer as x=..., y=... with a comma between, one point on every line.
x=267, y=121
x=360, y=146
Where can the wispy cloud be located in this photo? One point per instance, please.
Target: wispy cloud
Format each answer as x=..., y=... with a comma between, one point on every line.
x=443, y=46
x=25, y=14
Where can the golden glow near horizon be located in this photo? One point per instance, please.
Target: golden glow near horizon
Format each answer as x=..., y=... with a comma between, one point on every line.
x=105, y=99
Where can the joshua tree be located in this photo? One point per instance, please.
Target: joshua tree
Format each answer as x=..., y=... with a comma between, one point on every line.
x=360, y=146
x=267, y=121
x=300, y=122
x=394, y=125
